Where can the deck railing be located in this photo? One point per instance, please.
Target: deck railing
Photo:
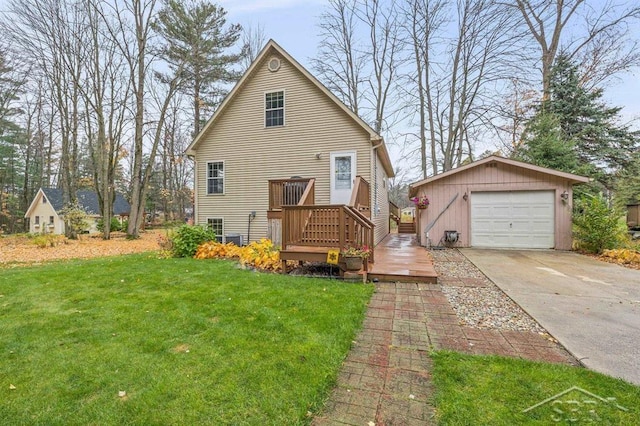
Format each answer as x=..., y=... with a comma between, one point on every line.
x=326, y=226
x=394, y=211
x=361, y=196
x=290, y=192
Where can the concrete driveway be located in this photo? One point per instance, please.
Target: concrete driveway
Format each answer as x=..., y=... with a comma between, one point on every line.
x=591, y=307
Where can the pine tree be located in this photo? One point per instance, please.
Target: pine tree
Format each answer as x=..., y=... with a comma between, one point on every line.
x=585, y=119
x=195, y=32
x=544, y=145
x=575, y=131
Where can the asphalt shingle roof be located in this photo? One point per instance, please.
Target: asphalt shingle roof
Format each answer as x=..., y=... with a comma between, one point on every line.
x=88, y=201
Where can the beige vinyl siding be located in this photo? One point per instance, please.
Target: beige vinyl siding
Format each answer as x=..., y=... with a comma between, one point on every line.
x=486, y=178
x=253, y=154
x=379, y=200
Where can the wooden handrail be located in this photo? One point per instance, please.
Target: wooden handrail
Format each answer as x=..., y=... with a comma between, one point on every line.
x=361, y=195
x=309, y=196
x=393, y=208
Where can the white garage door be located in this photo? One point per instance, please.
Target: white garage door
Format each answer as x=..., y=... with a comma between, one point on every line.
x=518, y=219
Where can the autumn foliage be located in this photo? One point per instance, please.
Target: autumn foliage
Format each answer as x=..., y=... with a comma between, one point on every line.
x=628, y=257
x=259, y=254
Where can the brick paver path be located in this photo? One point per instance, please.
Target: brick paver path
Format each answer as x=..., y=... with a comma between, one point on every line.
x=386, y=377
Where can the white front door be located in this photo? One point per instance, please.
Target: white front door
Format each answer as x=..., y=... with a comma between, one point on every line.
x=343, y=176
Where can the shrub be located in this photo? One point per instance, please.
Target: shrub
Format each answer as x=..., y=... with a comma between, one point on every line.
x=596, y=226
x=115, y=225
x=75, y=220
x=48, y=240
x=259, y=254
x=186, y=239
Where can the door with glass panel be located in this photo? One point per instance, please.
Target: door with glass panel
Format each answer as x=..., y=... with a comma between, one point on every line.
x=343, y=175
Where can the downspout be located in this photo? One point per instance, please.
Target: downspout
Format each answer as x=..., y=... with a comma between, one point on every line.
x=252, y=216
x=195, y=189
x=374, y=156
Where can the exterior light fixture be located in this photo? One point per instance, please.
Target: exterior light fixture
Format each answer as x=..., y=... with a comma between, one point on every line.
x=465, y=196
x=564, y=196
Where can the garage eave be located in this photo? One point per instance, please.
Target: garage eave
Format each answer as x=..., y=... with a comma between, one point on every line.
x=572, y=178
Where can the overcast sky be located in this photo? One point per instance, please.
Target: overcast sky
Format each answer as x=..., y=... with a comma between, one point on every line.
x=294, y=25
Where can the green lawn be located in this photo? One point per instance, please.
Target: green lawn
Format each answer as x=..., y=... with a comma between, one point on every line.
x=190, y=342
x=491, y=390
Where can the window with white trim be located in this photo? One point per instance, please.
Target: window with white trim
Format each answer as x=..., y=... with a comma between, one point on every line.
x=50, y=220
x=215, y=177
x=37, y=220
x=216, y=224
x=274, y=109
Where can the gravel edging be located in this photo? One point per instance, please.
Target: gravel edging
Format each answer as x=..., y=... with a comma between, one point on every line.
x=476, y=300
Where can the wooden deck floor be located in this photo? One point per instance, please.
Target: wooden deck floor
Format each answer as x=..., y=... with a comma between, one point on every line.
x=400, y=258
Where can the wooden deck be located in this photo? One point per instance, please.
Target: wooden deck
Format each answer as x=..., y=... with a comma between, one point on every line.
x=400, y=258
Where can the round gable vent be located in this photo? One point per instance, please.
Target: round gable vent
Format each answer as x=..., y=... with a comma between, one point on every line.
x=274, y=64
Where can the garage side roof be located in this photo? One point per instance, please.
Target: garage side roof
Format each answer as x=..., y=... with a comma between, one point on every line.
x=574, y=179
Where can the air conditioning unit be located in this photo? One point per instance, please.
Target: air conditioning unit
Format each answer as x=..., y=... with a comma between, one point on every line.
x=234, y=238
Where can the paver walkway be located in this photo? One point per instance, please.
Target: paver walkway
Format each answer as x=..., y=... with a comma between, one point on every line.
x=386, y=378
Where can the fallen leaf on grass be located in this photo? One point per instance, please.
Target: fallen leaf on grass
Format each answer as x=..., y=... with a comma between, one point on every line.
x=12, y=387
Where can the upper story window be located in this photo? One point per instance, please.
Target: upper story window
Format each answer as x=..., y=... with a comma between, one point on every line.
x=44, y=199
x=274, y=109
x=50, y=220
x=215, y=177
x=37, y=220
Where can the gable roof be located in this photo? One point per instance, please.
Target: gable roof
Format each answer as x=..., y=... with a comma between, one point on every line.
x=267, y=50
x=88, y=201
x=574, y=179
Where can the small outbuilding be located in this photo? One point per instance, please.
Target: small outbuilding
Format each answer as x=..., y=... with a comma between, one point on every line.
x=497, y=202
x=45, y=212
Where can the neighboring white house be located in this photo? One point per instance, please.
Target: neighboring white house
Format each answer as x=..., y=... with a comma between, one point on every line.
x=280, y=138
x=45, y=216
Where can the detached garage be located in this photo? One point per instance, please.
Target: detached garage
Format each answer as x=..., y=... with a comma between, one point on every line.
x=497, y=203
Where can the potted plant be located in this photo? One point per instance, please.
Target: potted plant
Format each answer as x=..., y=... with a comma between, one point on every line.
x=421, y=202
x=353, y=256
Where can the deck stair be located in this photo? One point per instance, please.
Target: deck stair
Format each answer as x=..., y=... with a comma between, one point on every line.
x=309, y=230
x=407, y=228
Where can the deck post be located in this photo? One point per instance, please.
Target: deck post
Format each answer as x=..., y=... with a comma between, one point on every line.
x=341, y=226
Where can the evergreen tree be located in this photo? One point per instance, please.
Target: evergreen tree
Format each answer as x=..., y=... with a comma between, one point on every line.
x=575, y=131
x=628, y=183
x=593, y=126
x=196, y=34
x=544, y=145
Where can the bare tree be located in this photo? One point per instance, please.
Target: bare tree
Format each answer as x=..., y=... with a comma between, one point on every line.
x=44, y=31
x=600, y=35
x=104, y=88
x=455, y=75
x=424, y=21
x=253, y=40
x=339, y=63
x=384, y=53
